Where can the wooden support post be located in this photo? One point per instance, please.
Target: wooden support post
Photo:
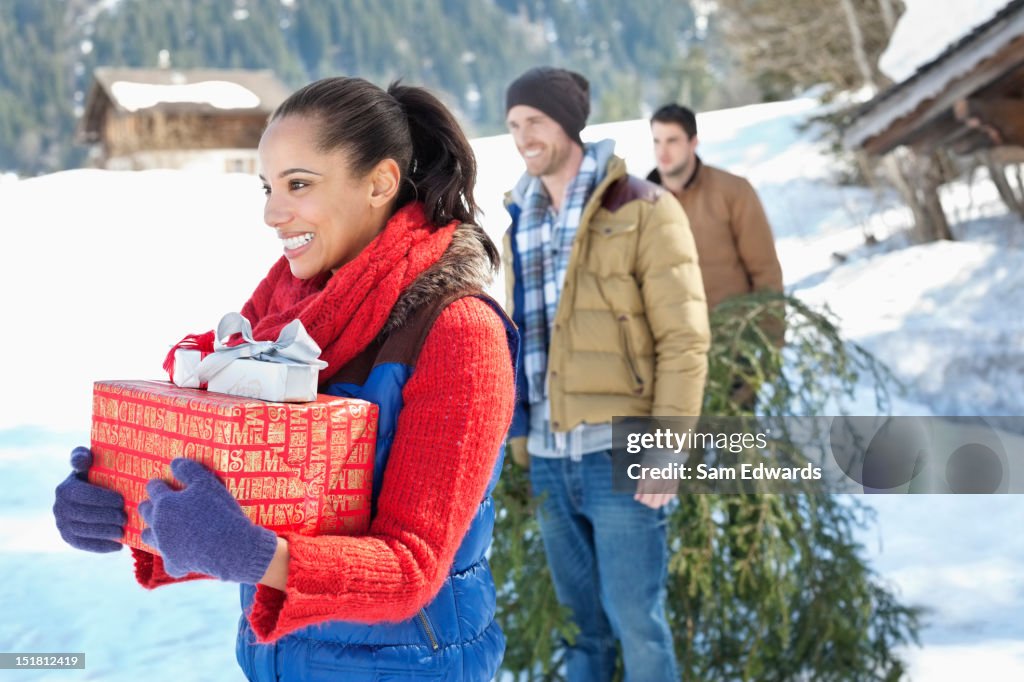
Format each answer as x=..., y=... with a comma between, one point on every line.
x=917, y=178
x=997, y=172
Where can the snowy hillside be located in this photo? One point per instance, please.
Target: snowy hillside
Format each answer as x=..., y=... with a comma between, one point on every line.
x=104, y=270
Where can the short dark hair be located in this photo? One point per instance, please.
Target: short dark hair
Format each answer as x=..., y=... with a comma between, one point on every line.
x=678, y=114
x=404, y=123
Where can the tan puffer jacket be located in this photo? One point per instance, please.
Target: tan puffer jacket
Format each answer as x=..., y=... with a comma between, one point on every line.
x=631, y=334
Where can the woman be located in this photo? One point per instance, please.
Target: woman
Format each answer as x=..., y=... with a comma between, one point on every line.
x=371, y=193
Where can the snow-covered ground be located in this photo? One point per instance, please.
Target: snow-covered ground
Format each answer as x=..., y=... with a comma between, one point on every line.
x=103, y=270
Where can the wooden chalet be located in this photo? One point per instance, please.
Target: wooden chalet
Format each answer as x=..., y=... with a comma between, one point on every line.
x=178, y=118
x=968, y=99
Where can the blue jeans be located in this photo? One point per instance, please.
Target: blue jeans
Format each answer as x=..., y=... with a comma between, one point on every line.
x=608, y=557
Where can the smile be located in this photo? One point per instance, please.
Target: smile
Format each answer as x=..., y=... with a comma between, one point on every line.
x=299, y=241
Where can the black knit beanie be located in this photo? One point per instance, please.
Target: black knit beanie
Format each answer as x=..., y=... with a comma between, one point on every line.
x=561, y=94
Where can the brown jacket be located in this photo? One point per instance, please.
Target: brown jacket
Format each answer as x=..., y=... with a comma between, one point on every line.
x=734, y=240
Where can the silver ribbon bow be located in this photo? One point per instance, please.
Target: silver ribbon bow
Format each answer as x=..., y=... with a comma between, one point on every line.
x=294, y=346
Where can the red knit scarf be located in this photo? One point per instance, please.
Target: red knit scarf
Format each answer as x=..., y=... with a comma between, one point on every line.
x=345, y=311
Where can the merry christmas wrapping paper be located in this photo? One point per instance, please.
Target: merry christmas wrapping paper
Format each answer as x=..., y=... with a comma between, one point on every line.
x=295, y=467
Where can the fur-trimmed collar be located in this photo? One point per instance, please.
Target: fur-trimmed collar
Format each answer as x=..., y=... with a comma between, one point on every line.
x=467, y=265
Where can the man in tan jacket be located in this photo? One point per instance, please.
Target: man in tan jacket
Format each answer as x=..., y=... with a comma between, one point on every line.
x=734, y=240
x=604, y=285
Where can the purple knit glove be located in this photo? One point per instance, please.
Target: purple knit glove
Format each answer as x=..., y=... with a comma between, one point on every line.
x=88, y=517
x=201, y=528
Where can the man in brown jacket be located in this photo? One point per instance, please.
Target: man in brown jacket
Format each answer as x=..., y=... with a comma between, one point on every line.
x=734, y=241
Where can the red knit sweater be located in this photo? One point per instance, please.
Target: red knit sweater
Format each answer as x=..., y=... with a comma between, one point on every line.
x=457, y=408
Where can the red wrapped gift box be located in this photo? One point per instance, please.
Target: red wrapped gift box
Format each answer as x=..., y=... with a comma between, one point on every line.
x=296, y=467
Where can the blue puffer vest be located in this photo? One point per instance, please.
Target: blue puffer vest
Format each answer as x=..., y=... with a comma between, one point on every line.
x=454, y=637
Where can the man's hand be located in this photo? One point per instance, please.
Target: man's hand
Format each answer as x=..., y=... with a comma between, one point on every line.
x=517, y=449
x=655, y=494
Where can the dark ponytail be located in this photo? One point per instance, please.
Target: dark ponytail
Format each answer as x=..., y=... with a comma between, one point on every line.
x=443, y=169
x=407, y=124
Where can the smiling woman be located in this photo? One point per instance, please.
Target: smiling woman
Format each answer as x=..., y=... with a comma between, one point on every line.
x=371, y=194
x=324, y=213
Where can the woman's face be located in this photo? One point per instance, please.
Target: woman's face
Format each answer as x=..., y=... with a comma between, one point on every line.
x=323, y=214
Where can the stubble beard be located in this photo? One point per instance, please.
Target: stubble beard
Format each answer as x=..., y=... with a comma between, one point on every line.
x=678, y=171
x=555, y=162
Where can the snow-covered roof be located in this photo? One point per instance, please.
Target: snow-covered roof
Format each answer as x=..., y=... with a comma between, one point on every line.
x=933, y=88
x=218, y=94
x=927, y=27
x=204, y=90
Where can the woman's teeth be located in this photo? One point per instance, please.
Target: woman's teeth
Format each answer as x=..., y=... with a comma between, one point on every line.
x=296, y=242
